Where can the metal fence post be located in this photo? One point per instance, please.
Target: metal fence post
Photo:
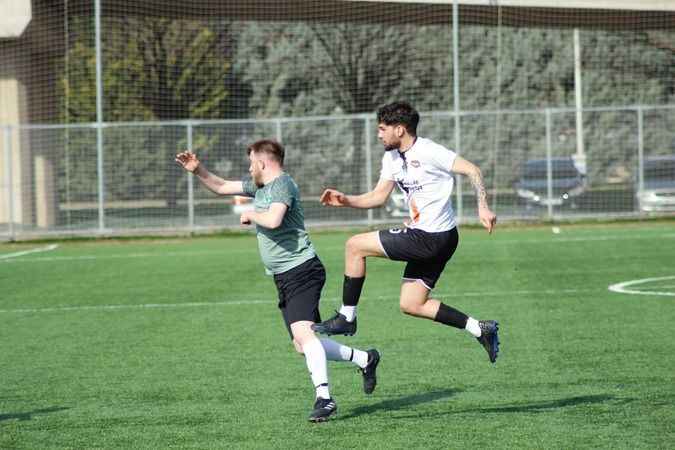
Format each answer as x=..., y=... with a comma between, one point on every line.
x=549, y=165
x=455, y=91
x=278, y=130
x=99, y=115
x=369, y=165
x=100, y=175
x=641, y=154
x=190, y=184
x=10, y=182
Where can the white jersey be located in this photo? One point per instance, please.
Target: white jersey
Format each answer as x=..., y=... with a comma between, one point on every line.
x=424, y=175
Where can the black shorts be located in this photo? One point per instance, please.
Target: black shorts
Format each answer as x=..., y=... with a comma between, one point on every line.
x=299, y=292
x=426, y=253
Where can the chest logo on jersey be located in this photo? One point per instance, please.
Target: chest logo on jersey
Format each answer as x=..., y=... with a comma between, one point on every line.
x=409, y=186
x=262, y=202
x=415, y=163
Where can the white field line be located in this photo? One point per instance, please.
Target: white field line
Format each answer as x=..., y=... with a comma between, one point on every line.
x=146, y=305
x=623, y=288
x=117, y=256
x=554, y=240
x=258, y=302
x=7, y=256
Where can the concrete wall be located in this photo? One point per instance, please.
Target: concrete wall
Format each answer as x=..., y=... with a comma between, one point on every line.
x=14, y=110
x=33, y=187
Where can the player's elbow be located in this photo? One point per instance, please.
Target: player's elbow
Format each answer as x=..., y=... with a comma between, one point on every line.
x=472, y=170
x=275, y=222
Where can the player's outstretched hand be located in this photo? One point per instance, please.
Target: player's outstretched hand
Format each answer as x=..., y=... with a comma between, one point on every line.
x=188, y=160
x=331, y=197
x=487, y=218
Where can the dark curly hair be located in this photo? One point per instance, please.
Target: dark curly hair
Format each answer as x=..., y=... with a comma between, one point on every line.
x=399, y=113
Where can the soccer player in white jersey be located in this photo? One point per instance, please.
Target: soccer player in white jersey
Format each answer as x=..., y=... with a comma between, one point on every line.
x=423, y=170
x=288, y=254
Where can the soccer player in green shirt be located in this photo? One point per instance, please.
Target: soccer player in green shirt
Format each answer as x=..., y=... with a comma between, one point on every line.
x=288, y=254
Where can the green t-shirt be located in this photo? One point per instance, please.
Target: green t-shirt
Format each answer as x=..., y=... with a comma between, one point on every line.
x=287, y=246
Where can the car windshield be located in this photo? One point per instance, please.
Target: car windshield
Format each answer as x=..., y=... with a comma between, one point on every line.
x=660, y=170
x=535, y=170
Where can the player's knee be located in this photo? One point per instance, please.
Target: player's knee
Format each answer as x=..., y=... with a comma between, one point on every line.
x=298, y=346
x=409, y=308
x=352, y=245
x=357, y=246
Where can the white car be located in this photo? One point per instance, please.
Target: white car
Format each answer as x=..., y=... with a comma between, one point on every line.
x=658, y=193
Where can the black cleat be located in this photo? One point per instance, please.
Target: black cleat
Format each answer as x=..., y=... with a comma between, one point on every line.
x=323, y=409
x=369, y=377
x=489, y=338
x=336, y=325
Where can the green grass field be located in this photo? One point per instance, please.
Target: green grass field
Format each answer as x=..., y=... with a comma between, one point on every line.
x=178, y=343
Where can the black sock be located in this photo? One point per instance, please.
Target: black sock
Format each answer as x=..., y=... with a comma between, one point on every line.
x=351, y=290
x=450, y=316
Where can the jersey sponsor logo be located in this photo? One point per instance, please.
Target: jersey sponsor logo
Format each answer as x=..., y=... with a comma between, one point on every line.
x=415, y=163
x=398, y=230
x=409, y=186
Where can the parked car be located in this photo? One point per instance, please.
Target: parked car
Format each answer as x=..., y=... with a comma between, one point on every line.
x=567, y=182
x=658, y=192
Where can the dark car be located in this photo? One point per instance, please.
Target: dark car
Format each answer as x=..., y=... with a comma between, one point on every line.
x=567, y=182
x=658, y=190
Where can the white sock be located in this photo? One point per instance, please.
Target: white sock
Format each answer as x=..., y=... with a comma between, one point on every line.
x=349, y=312
x=473, y=327
x=315, y=356
x=338, y=352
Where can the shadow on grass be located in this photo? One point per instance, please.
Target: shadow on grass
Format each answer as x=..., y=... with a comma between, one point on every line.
x=29, y=415
x=552, y=404
x=400, y=403
x=536, y=407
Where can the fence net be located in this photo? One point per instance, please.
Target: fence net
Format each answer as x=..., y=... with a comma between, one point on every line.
x=556, y=137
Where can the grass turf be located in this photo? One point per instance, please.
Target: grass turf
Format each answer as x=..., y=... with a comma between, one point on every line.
x=178, y=343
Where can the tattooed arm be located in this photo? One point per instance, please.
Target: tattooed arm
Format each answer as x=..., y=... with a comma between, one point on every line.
x=464, y=167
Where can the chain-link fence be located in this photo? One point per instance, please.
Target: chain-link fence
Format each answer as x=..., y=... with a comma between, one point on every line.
x=97, y=96
x=132, y=184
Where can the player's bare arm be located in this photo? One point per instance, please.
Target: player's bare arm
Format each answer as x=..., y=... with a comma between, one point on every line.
x=188, y=160
x=486, y=216
x=272, y=218
x=377, y=197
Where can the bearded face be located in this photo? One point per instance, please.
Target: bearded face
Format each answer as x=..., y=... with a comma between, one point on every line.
x=255, y=169
x=389, y=135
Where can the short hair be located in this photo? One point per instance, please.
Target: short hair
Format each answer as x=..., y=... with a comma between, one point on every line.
x=399, y=113
x=269, y=147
